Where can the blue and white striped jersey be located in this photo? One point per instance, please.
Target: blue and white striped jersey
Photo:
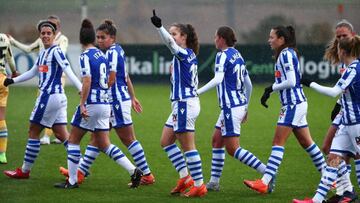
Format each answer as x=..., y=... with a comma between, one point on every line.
x=350, y=99
x=50, y=63
x=116, y=57
x=93, y=63
x=288, y=61
x=231, y=91
x=184, y=76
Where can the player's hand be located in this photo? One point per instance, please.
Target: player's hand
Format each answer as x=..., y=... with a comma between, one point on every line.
x=136, y=105
x=156, y=21
x=335, y=111
x=266, y=95
x=305, y=82
x=15, y=74
x=83, y=112
x=8, y=81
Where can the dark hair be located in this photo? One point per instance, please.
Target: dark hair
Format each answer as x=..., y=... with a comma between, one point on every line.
x=108, y=27
x=192, y=40
x=351, y=46
x=288, y=33
x=46, y=23
x=87, y=32
x=228, y=34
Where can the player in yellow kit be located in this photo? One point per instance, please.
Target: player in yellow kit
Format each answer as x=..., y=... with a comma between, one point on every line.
x=5, y=57
x=37, y=45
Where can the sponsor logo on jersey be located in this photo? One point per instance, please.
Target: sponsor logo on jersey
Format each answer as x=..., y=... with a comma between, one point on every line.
x=43, y=68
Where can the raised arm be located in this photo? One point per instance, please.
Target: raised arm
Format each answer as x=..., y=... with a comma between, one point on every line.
x=165, y=36
x=35, y=46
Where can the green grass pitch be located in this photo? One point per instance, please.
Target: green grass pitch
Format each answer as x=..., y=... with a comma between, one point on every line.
x=297, y=177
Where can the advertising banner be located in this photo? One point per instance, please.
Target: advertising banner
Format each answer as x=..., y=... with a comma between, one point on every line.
x=150, y=63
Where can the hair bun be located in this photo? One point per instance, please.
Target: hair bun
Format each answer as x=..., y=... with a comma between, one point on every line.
x=86, y=23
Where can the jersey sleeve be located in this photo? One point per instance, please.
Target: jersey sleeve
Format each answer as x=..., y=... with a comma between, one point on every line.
x=61, y=59
x=346, y=78
x=220, y=62
x=171, y=44
x=10, y=58
x=84, y=66
x=287, y=61
x=113, y=60
x=35, y=46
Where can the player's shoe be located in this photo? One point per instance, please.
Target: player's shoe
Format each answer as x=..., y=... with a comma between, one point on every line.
x=257, y=185
x=17, y=174
x=80, y=175
x=66, y=185
x=182, y=184
x=147, y=179
x=333, y=199
x=213, y=186
x=3, y=159
x=45, y=140
x=56, y=141
x=272, y=185
x=197, y=191
x=348, y=197
x=136, y=178
x=306, y=200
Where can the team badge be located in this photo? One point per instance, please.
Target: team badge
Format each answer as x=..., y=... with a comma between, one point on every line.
x=43, y=68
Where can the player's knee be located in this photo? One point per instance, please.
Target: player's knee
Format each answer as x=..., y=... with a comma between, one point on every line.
x=334, y=160
x=230, y=150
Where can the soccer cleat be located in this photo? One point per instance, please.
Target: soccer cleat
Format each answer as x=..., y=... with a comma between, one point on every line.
x=196, y=191
x=213, y=186
x=182, y=184
x=65, y=172
x=348, y=197
x=3, y=158
x=257, y=185
x=272, y=185
x=56, y=141
x=17, y=174
x=45, y=140
x=147, y=179
x=136, y=178
x=306, y=200
x=66, y=185
x=333, y=199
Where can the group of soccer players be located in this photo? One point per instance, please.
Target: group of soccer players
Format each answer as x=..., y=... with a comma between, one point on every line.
x=107, y=96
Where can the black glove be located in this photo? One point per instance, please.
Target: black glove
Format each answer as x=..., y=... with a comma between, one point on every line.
x=335, y=111
x=266, y=95
x=8, y=81
x=305, y=81
x=156, y=21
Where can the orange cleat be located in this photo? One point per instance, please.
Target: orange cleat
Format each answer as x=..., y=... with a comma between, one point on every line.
x=257, y=185
x=147, y=179
x=306, y=200
x=182, y=184
x=17, y=174
x=65, y=172
x=196, y=191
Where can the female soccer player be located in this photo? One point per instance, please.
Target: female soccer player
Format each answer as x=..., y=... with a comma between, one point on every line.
x=6, y=56
x=51, y=104
x=234, y=88
x=293, y=112
x=37, y=45
x=333, y=141
x=348, y=86
x=93, y=112
x=122, y=97
x=183, y=44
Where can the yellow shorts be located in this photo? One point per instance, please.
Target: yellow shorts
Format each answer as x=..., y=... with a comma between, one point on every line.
x=4, y=91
